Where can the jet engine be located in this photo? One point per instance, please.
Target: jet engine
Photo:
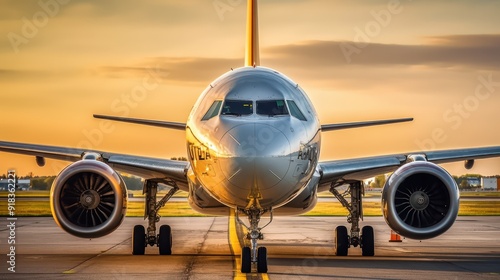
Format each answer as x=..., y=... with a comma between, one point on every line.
x=88, y=199
x=420, y=200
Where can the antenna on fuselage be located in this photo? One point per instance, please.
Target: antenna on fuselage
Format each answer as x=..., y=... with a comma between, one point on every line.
x=252, y=57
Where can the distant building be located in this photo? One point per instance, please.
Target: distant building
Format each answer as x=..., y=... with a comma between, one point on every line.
x=21, y=185
x=489, y=183
x=474, y=182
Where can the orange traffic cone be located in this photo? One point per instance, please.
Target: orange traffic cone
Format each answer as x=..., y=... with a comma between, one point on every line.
x=395, y=237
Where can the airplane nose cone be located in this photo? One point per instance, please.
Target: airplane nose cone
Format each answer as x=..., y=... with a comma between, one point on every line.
x=255, y=155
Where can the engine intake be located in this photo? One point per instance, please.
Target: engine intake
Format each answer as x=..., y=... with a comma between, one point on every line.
x=88, y=199
x=420, y=200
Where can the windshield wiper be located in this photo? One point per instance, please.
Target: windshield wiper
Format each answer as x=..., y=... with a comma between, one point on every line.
x=231, y=114
x=276, y=114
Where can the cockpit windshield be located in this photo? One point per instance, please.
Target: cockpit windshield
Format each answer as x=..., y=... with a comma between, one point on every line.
x=237, y=107
x=213, y=110
x=295, y=111
x=271, y=107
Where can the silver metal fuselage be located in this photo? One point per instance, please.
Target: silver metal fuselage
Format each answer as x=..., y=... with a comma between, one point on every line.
x=253, y=160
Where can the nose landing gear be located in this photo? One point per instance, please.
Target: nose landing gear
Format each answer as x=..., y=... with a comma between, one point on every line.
x=254, y=255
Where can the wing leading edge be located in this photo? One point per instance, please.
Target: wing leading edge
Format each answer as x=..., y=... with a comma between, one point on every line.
x=338, y=126
x=164, y=124
x=145, y=167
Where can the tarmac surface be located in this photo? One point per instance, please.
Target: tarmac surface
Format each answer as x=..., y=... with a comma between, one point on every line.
x=298, y=248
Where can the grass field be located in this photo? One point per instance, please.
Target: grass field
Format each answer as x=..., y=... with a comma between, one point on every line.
x=182, y=209
x=467, y=208
x=136, y=193
x=41, y=194
x=134, y=209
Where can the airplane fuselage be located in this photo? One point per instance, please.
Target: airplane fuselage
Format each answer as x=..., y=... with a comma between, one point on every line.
x=253, y=139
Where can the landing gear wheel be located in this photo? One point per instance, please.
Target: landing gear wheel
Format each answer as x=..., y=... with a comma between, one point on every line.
x=138, y=240
x=341, y=241
x=367, y=241
x=262, y=260
x=246, y=260
x=165, y=240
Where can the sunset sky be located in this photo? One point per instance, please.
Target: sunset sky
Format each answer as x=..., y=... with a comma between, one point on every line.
x=436, y=61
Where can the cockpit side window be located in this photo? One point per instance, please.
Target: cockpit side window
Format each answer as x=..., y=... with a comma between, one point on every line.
x=213, y=110
x=237, y=107
x=295, y=111
x=271, y=107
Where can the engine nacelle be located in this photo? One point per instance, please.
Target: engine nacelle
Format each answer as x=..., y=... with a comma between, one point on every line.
x=420, y=200
x=88, y=199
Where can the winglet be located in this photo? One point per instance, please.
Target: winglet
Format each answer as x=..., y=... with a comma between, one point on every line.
x=252, y=57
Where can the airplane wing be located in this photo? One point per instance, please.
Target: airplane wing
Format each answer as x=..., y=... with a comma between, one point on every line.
x=338, y=126
x=164, y=124
x=145, y=167
x=363, y=168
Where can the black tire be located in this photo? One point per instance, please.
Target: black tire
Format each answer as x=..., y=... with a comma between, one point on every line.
x=367, y=241
x=246, y=260
x=165, y=240
x=138, y=240
x=341, y=241
x=262, y=260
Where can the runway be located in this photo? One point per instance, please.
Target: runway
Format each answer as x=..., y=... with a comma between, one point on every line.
x=298, y=248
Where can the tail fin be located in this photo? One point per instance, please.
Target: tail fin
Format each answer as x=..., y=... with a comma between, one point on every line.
x=252, y=57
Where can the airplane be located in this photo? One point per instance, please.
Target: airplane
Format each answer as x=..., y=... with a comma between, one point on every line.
x=253, y=142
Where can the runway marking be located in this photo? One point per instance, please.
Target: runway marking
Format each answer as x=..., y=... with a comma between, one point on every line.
x=235, y=245
x=399, y=249
x=193, y=259
x=74, y=269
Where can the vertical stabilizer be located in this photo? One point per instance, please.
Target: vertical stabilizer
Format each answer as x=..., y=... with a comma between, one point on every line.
x=252, y=57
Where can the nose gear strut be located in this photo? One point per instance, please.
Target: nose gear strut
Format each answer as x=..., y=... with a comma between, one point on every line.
x=254, y=255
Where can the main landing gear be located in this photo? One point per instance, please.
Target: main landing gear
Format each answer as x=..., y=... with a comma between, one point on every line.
x=342, y=239
x=140, y=238
x=253, y=255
